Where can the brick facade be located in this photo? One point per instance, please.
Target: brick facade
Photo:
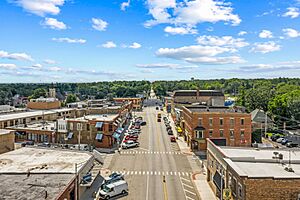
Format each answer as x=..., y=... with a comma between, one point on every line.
x=44, y=105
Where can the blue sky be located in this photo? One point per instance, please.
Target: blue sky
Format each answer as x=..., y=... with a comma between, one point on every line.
x=97, y=40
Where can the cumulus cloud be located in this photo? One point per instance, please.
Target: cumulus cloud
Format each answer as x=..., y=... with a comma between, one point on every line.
x=265, y=47
x=15, y=56
x=99, y=24
x=135, y=45
x=125, y=4
x=265, y=34
x=55, y=69
x=158, y=66
x=7, y=66
x=192, y=51
x=292, y=12
x=241, y=33
x=180, y=30
x=54, y=24
x=226, y=41
x=291, y=33
x=109, y=44
x=216, y=60
x=265, y=68
x=69, y=40
x=41, y=7
x=190, y=12
x=49, y=61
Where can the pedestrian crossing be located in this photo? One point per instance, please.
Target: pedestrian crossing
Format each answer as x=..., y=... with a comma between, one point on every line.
x=154, y=173
x=152, y=152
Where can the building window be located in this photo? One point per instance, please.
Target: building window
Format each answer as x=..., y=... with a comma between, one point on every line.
x=87, y=127
x=199, y=134
x=242, y=133
x=71, y=126
x=210, y=133
x=110, y=128
x=221, y=133
x=231, y=132
x=240, y=191
x=242, y=121
x=221, y=121
x=200, y=121
x=233, y=187
x=231, y=121
x=210, y=121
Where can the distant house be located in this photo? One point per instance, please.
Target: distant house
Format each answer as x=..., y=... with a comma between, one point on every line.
x=258, y=118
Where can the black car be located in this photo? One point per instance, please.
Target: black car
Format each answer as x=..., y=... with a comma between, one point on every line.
x=143, y=123
x=157, y=108
x=28, y=142
x=291, y=144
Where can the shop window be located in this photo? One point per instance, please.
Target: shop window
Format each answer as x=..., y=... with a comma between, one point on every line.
x=199, y=134
x=210, y=133
x=221, y=133
x=231, y=122
x=231, y=132
x=242, y=121
x=210, y=121
x=221, y=121
x=242, y=133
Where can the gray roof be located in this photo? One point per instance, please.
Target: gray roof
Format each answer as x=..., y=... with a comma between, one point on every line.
x=201, y=93
x=259, y=116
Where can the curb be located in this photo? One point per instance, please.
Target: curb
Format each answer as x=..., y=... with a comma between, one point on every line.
x=195, y=186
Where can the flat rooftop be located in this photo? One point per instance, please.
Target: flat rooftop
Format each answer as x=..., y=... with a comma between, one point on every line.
x=261, y=163
x=211, y=109
x=104, y=117
x=41, y=160
x=19, y=186
x=4, y=131
x=27, y=114
x=41, y=126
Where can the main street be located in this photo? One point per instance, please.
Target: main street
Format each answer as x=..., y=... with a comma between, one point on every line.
x=157, y=170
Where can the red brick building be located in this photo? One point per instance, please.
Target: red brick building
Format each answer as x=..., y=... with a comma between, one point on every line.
x=137, y=102
x=229, y=126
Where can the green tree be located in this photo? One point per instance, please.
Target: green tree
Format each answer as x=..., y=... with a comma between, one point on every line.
x=39, y=92
x=71, y=98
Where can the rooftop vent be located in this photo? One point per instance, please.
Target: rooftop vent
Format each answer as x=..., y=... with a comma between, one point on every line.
x=289, y=169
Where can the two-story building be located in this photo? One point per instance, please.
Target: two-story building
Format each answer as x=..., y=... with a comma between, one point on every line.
x=230, y=126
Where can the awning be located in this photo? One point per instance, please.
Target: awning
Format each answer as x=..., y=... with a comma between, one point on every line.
x=99, y=124
x=217, y=180
x=116, y=135
x=70, y=135
x=118, y=120
x=199, y=128
x=115, y=124
x=99, y=136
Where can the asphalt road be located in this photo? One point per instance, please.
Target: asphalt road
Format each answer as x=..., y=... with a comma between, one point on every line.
x=157, y=170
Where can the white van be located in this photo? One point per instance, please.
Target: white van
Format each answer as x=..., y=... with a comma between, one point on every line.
x=113, y=189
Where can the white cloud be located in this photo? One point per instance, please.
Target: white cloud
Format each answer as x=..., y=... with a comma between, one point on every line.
x=291, y=33
x=241, y=33
x=265, y=34
x=49, y=61
x=54, y=24
x=158, y=66
x=265, y=47
x=135, y=45
x=216, y=60
x=190, y=12
x=292, y=12
x=36, y=66
x=192, y=51
x=99, y=24
x=7, y=66
x=55, y=69
x=125, y=4
x=226, y=41
x=180, y=30
x=109, y=44
x=15, y=56
x=69, y=40
x=41, y=7
x=266, y=68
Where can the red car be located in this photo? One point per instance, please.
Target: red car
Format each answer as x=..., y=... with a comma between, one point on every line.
x=130, y=139
x=127, y=137
x=173, y=139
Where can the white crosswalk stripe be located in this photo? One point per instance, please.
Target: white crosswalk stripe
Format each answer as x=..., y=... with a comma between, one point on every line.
x=156, y=173
x=152, y=152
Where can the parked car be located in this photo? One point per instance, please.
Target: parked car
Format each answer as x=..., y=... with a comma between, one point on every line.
x=291, y=144
x=44, y=144
x=170, y=132
x=131, y=136
x=27, y=142
x=113, y=189
x=143, y=123
x=114, y=176
x=129, y=144
x=173, y=139
x=86, y=178
x=279, y=140
x=284, y=141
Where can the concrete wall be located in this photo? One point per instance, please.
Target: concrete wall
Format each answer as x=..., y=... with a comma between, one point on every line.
x=7, y=142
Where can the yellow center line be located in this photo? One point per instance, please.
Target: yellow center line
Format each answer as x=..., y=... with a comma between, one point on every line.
x=165, y=188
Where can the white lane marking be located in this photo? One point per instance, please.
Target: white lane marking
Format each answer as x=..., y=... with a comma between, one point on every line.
x=151, y=172
x=189, y=198
x=143, y=172
x=185, y=179
x=132, y=172
x=147, y=190
x=155, y=173
x=175, y=173
x=179, y=174
x=159, y=173
x=147, y=173
x=171, y=173
x=140, y=172
x=190, y=192
x=167, y=173
x=186, y=185
x=135, y=172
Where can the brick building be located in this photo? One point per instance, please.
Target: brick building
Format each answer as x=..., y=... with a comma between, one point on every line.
x=248, y=173
x=7, y=140
x=230, y=126
x=137, y=102
x=44, y=104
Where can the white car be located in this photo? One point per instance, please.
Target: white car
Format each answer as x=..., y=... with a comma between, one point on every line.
x=129, y=144
x=279, y=140
x=113, y=189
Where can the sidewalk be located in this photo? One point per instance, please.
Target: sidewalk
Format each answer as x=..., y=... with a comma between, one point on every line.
x=199, y=174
